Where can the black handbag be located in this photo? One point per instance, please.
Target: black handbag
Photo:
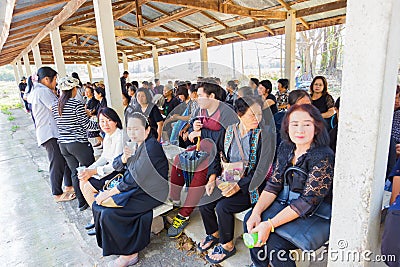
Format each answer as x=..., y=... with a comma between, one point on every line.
x=308, y=233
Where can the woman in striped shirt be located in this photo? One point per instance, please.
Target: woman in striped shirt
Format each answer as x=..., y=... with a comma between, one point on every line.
x=73, y=122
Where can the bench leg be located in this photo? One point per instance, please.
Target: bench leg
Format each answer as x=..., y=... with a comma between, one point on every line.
x=157, y=225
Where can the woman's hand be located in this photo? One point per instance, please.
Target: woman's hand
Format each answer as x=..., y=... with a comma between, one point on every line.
x=86, y=174
x=231, y=190
x=263, y=230
x=197, y=125
x=210, y=187
x=253, y=222
x=193, y=135
x=127, y=154
x=103, y=195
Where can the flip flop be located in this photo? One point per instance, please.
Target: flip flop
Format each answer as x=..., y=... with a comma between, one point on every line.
x=209, y=238
x=119, y=262
x=66, y=196
x=220, y=250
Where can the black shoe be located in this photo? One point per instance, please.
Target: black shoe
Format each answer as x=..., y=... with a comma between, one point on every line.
x=91, y=232
x=89, y=226
x=84, y=207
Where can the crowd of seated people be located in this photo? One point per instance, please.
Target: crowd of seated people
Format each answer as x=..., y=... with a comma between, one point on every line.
x=246, y=136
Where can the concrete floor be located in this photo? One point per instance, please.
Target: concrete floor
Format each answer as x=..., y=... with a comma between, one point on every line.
x=37, y=231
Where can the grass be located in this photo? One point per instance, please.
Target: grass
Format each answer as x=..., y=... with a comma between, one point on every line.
x=11, y=118
x=14, y=128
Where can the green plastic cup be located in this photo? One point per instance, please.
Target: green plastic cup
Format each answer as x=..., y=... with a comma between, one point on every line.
x=250, y=239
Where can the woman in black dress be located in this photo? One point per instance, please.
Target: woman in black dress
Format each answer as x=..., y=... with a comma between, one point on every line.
x=125, y=231
x=320, y=97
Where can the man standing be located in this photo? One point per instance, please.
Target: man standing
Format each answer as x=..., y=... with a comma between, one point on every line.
x=123, y=81
x=22, y=86
x=158, y=88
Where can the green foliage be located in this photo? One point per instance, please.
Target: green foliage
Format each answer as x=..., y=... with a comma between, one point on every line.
x=11, y=118
x=14, y=128
x=6, y=73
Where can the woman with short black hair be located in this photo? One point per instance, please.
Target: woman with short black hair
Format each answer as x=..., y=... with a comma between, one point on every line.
x=265, y=92
x=305, y=146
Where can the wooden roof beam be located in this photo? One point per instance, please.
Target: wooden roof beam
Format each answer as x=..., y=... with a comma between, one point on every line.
x=125, y=33
x=37, y=6
x=69, y=9
x=321, y=8
x=236, y=29
x=175, y=16
x=288, y=7
x=46, y=16
x=232, y=9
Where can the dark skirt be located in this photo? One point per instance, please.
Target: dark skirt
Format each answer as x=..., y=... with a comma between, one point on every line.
x=98, y=184
x=124, y=231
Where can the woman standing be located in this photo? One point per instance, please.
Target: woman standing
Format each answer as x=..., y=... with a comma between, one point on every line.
x=42, y=99
x=305, y=146
x=73, y=122
x=125, y=231
x=269, y=100
x=150, y=111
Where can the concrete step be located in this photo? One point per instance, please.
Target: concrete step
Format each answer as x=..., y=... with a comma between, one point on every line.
x=195, y=230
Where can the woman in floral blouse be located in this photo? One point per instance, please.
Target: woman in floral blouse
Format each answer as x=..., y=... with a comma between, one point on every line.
x=305, y=145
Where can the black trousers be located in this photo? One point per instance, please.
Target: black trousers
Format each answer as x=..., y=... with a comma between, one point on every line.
x=77, y=154
x=218, y=215
x=58, y=167
x=276, y=250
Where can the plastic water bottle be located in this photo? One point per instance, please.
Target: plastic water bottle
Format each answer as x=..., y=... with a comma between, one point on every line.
x=250, y=239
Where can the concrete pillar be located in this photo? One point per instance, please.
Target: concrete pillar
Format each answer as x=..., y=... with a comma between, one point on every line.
x=17, y=79
x=125, y=61
x=290, y=48
x=364, y=127
x=27, y=65
x=156, y=65
x=108, y=53
x=203, y=55
x=37, y=57
x=58, y=52
x=20, y=70
x=89, y=69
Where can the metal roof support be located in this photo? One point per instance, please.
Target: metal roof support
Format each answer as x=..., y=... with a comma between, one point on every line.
x=20, y=70
x=156, y=64
x=58, y=52
x=27, y=65
x=108, y=53
x=15, y=73
x=125, y=61
x=203, y=55
x=290, y=48
x=89, y=69
x=37, y=57
x=364, y=129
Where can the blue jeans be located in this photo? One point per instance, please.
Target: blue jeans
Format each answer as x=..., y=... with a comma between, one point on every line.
x=276, y=250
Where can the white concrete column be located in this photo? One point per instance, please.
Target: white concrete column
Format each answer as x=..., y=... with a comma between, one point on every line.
x=27, y=65
x=125, y=61
x=203, y=55
x=58, y=52
x=364, y=127
x=89, y=69
x=290, y=48
x=37, y=57
x=17, y=79
x=108, y=53
x=20, y=70
x=156, y=65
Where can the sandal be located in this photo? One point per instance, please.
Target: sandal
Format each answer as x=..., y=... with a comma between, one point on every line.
x=120, y=262
x=218, y=250
x=209, y=238
x=66, y=196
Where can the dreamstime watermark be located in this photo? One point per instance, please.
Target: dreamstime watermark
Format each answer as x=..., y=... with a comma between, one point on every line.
x=342, y=254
